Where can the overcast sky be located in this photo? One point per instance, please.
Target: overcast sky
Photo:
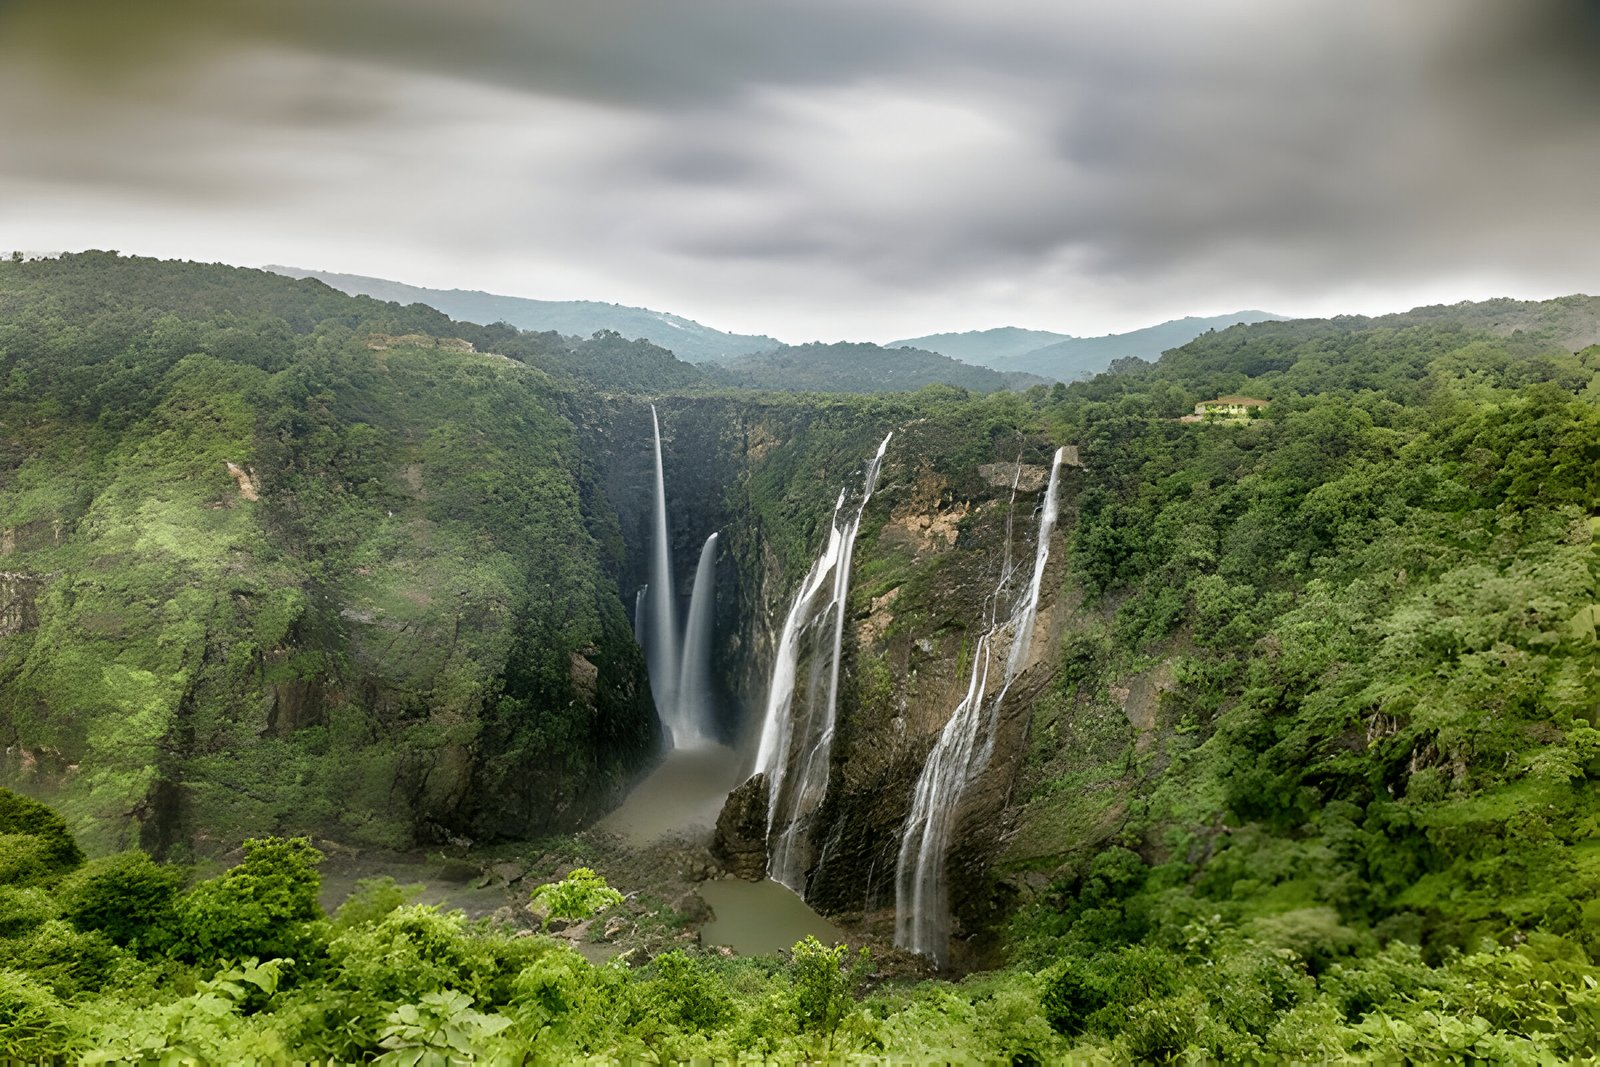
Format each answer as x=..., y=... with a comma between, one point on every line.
x=868, y=169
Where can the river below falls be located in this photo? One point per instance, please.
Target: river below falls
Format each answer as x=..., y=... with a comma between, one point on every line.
x=681, y=799
x=675, y=806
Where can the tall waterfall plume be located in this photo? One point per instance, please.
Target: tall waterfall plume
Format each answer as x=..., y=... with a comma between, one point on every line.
x=662, y=656
x=796, y=747
x=680, y=670
x=965, y=745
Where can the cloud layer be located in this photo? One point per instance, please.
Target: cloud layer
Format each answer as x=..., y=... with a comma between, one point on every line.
x=862, y=168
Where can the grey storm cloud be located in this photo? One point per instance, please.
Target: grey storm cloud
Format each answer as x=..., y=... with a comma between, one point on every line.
x=851, y=155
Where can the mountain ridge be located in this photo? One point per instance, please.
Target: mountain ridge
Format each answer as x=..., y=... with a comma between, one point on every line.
x=860, y=367
x=693, y=341
x=1068, y=358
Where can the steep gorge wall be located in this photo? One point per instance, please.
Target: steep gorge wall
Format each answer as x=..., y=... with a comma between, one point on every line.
x=763, y=474
x=928, y=555
x=406, y=631
x=928, y=571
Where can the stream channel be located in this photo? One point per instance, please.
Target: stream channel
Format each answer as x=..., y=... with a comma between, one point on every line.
x=681, y=800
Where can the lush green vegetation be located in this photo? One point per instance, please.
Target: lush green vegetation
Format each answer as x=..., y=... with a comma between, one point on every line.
x=116, y=960
x=1372, y=771
x=1314, y=775
x=280, y=560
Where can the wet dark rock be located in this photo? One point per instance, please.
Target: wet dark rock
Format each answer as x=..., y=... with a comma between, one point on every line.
x=741, y=837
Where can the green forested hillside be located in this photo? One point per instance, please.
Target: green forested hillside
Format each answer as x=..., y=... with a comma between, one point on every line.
x=276, y=559
x=1369, y=619
x=1310, y=774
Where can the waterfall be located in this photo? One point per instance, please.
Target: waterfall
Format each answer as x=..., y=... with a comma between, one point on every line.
x=796, y=747
x=679, y=662
x=662, y=658
x=692, y=710
x=922, y=907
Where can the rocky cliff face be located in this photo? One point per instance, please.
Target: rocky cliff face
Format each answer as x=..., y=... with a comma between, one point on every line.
x=928, y=555
x=938, y=551
x=740, y=841
x=763, y=475
x=19, y=611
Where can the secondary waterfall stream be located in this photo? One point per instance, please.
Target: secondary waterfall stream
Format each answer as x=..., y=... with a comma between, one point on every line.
x=963, y=750
x=796, y=747
x=691, y=720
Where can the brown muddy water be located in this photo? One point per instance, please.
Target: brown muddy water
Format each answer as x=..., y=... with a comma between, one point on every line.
x=754, y=918
x=675, y=807
x=681, y=799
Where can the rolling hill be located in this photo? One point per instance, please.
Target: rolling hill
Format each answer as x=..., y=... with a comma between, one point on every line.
x=687, y=339
x=1066, y=358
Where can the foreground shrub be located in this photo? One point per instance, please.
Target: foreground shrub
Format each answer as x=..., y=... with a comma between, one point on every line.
x=33, y=1023
x=26, y=816
x=128, y=897
x=259, y=908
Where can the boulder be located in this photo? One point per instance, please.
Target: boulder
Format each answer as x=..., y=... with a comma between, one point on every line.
x=508, y=872
x=741, y=838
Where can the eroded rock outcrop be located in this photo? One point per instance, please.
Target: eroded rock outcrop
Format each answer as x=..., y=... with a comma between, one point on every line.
x=18, y=613
x=741, y=837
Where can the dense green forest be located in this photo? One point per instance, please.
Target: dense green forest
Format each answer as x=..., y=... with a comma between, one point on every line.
x=280, y=557
x=1312, y=775
x=847, y=367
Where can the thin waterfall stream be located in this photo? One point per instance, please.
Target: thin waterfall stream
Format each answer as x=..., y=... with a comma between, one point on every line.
x=963, y=750
x=796, y=746
x=692, y=709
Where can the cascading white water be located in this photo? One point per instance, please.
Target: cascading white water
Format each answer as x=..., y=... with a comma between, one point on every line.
x=796, y=747
x=922, y=908
x=662, y=657
x=692, y=710
x=679, y=663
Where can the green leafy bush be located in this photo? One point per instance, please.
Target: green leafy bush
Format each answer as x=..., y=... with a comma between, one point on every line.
x=24, y=909
x=440, y=1029
x=372, y=900
x=53, y=851
x=826, y=982
x=27, y=859
x=129, y=897
x=580, y=895
x=263, y=907
x=34, y=1025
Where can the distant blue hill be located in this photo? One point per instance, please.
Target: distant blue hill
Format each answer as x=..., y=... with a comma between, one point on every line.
x=860, y=367
x=685, y=338
x=1066, y=358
